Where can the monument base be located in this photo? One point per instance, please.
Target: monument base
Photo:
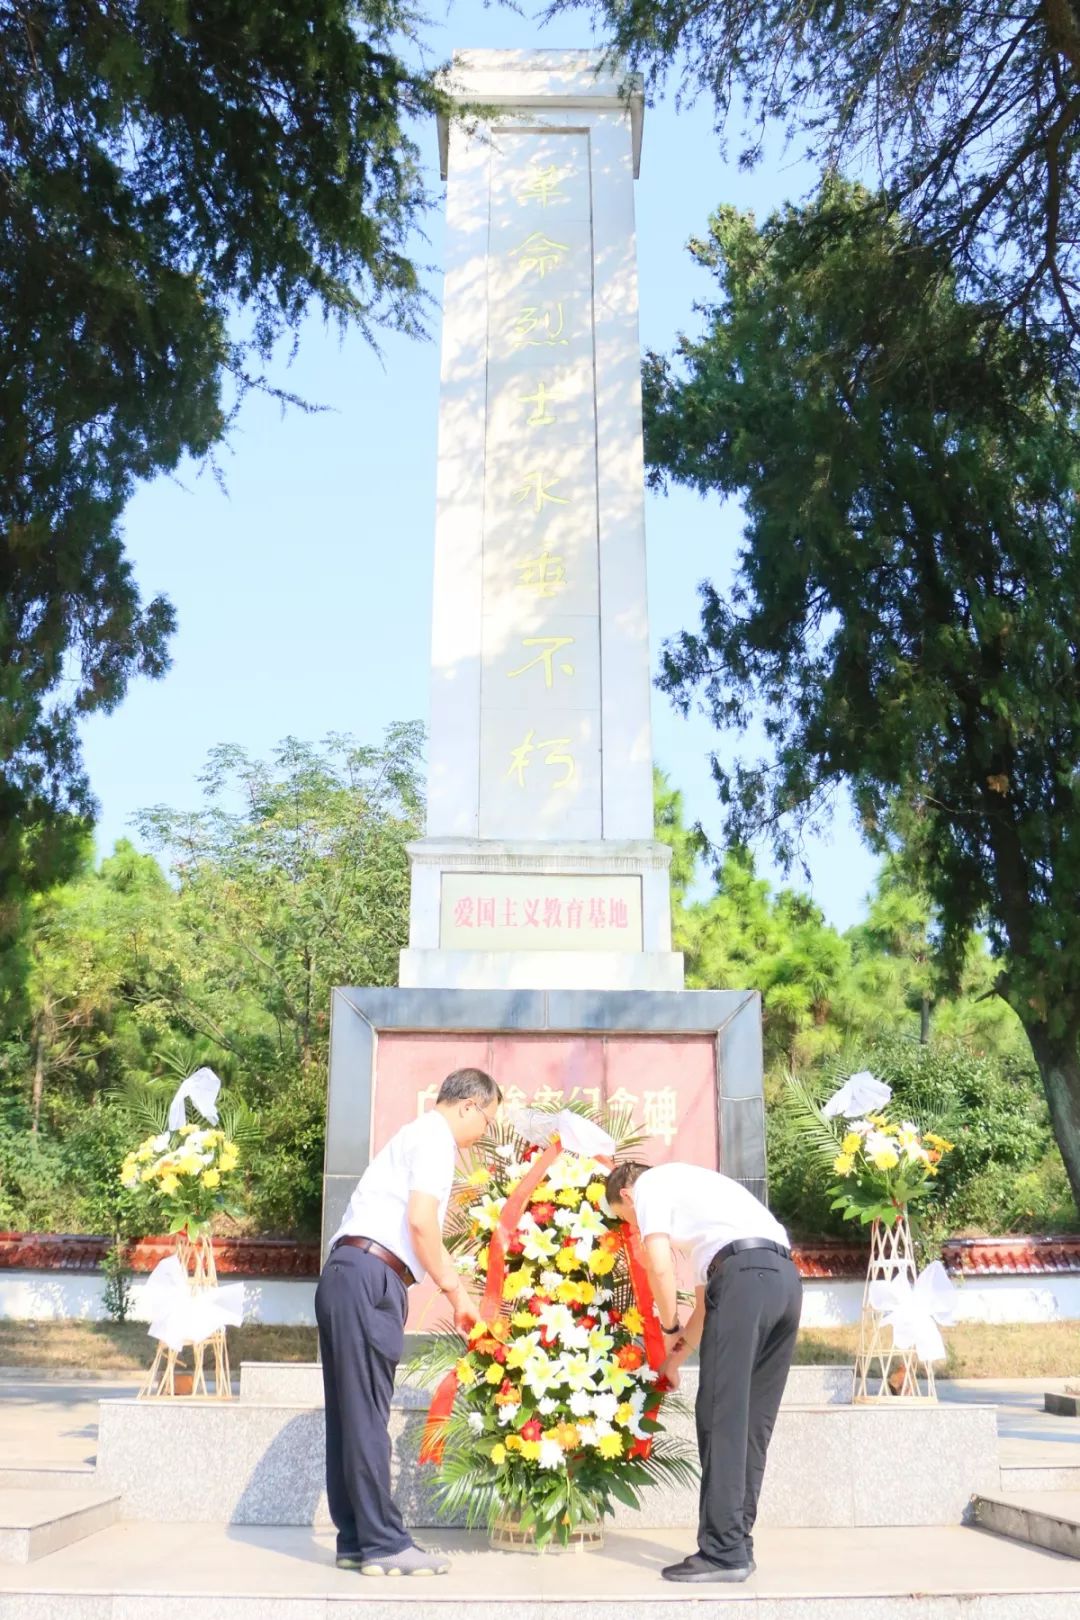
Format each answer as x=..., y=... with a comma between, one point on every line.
x=532, y=915
x=541, y=970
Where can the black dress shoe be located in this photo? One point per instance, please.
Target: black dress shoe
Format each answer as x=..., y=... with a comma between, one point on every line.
x=699, y=1569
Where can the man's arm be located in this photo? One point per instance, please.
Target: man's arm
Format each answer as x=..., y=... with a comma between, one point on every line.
x=688, y=1340
x=660, y=1264
x=426, y=1235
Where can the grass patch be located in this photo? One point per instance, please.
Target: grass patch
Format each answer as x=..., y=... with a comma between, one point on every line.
x=125, y=1347
x=976, y=1349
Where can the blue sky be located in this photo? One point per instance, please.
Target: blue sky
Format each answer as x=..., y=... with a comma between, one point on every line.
x=304, y=589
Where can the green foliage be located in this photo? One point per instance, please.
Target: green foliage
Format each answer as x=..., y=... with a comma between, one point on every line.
x=136, y=982
x=1004, y=1173
x=970, y=116
x=173, y=175
x=117, y=1296
x=907, y=604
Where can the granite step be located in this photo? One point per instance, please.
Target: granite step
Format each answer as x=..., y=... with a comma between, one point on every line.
x=299, y=1383
x=35, y=1522
x=33, y=1476
x=1066, y=1404
x=212, y=1572
x=1049, y=1519
x=260, y=1463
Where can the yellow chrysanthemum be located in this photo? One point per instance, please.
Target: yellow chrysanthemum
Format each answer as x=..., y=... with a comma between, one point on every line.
x=186, y=1130
x=567, y=1293
x=886, y=1159
x=851, y=1143
x=624, y=1414
x=211, y=1178
x=169, y=1183
x=494, y=1374
x=466, y=1372
x=479, y=1177
x=611, y=1445
x=586, y=1293
x=543, y=1194
x=843, y=1164
x=230, y=1156
x=600, y=1262
x=594, y=1192
x=517, y=1283
x=566, y=1260
x=530, y=1450
x=189, y=1164
x=570, y=1196
x=498, y=1455
x=523, y=1319
x=514, y=1442
x=633, y=1320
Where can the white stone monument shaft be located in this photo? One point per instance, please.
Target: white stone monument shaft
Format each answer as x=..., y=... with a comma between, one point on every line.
x=539, y=868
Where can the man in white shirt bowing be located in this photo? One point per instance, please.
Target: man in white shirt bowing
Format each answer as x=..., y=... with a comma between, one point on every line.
x=390, y=1237
x=745, y=1319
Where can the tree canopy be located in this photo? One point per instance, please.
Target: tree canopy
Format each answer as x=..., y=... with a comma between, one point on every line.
x=905, y=614
x=966, y=117
x=180, y=182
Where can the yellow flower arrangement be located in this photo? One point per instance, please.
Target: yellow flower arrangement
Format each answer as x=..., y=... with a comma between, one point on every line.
x=183, y=1176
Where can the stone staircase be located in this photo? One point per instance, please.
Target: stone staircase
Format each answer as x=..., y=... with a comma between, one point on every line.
x=35, y=1522
x=259, y=1460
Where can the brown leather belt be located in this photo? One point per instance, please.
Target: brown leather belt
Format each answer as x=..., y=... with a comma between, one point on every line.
x=387, y=1257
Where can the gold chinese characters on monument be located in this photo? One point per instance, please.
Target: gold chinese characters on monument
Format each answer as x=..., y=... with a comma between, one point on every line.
x=540, y=683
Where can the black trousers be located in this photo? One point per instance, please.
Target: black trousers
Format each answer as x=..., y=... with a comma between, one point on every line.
x=752, y=1306
x=360, y=1306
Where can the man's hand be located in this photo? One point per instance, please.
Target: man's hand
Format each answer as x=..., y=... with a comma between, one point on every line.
x=465, y=1308
x=677, y=1354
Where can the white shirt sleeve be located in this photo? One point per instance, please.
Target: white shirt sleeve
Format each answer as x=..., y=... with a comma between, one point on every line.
x=431, y=1166
x=652, y=1205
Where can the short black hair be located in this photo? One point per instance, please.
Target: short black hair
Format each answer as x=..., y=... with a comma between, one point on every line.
x=469, y=1085
x=624, y=1175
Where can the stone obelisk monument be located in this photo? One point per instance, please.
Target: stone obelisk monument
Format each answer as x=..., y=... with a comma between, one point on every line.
x=540, y=869
x=540, y=920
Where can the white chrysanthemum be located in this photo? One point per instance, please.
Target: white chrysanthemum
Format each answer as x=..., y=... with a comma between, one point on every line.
x=505, y=1150
x=602, y=1427
x=580, y=1403
x=507, y=1415
x=160, y=1143
x=575, y=1338
x=584, y=1247
x=565, y=1217
x=587, y=1434
x=605, y=1407
x=547, y=1406
x=476, y=1422
x=878, y=1142
x=551, y=1454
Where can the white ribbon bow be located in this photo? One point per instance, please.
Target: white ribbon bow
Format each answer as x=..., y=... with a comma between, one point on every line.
x=202, y=1087
x=180, y=1314
x=577, y=1135
x=863, y=1093
x=914, y=1313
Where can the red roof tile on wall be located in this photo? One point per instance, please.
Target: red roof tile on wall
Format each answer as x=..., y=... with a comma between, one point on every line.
x=829, y=1258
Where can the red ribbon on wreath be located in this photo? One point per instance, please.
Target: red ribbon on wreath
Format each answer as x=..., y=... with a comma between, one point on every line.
x=433, y=1442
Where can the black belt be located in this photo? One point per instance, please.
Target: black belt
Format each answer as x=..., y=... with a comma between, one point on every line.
x=387, y=1256
x=739, y=1245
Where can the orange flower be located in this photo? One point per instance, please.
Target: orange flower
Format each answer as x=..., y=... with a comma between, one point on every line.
x=630, y=1357
x=567, y=1436
x=611, y=1241
x=508, y=1397
x=486, y=1347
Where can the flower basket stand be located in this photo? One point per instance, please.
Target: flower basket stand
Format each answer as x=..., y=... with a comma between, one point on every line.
x=197, y=1259
x=508, y=1535
x=884, y=1374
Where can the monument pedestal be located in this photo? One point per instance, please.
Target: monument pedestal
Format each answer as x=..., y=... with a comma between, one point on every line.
x=508, y=914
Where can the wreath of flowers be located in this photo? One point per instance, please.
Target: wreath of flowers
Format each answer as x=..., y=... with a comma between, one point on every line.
x=556, y=1415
